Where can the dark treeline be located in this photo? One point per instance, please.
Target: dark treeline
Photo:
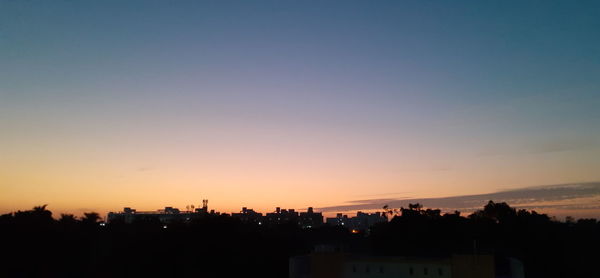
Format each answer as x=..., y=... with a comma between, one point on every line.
x=37, y=245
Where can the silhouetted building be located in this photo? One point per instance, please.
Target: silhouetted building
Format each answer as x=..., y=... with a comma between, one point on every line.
x=307, y=219
x=310, y=219
x=166, y=215
x=170, y=210
x=281, y=216
x=338, y=220
x=361, y=222
x=249, y=216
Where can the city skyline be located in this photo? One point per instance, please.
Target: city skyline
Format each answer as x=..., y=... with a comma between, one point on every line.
x=579, y=200
x=294, y=104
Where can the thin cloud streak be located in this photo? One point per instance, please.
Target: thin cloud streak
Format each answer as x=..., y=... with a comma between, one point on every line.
x=560, y=196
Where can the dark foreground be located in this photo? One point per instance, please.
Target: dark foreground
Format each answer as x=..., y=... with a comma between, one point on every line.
x=36, y=245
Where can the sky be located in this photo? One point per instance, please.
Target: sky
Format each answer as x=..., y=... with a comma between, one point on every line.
x=146, y=104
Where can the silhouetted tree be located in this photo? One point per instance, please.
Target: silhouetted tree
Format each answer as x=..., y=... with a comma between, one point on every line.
x=90, y=218
x=67, y=218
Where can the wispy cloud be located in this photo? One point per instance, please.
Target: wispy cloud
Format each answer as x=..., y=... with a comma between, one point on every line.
x=388, y=194
x=544, y=146
x=561, y=145
x=560, y=196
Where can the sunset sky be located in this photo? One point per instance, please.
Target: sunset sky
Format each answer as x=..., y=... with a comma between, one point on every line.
x=107, y=104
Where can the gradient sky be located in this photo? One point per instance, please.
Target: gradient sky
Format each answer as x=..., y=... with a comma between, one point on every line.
x=106, y=104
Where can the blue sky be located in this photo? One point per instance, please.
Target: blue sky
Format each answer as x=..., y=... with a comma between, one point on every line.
x=472, y=96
